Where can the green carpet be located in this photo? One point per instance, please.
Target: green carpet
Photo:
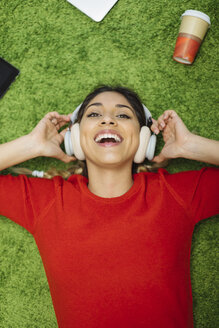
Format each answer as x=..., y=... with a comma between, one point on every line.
x=63, y=55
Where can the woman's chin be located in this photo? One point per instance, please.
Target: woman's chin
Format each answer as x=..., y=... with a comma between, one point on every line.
x=110, y=162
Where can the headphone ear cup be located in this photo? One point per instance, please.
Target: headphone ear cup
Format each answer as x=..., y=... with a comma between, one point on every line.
x=68, y=143
x=151, y=147
x=144, y=137
x=75, y=140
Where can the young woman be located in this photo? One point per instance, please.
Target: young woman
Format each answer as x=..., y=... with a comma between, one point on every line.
x=115, y=245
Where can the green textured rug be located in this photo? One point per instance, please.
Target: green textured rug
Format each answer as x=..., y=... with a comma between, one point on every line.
x=63, y=55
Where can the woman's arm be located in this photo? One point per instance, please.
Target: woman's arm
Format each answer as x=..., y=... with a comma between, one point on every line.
x=17, y=151
x=180, y=142
x=44, y=140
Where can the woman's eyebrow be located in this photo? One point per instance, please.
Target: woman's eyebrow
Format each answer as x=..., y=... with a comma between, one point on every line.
x=94, y=104
x=117, y=105
x=120, y=106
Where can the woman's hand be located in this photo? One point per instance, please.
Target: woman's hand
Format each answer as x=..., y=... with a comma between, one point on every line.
x=47, y=138
x=175, y=135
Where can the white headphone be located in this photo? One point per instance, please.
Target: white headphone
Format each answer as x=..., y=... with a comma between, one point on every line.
x=147, y=142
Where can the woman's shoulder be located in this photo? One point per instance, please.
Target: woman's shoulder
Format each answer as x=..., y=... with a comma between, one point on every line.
x=182, y=179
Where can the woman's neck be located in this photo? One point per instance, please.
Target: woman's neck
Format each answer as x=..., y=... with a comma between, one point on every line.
x=109, y=183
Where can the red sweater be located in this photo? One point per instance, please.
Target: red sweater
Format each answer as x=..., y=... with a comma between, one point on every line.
x=121, y=262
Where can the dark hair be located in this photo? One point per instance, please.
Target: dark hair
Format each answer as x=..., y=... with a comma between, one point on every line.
x=130, y=95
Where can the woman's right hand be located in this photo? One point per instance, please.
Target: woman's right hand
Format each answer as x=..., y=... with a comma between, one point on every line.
x=47, y=137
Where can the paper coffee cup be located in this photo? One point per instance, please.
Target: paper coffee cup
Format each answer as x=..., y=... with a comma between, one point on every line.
x=192, y=31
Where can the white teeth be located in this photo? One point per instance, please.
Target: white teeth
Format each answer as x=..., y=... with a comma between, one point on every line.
x=107, y=135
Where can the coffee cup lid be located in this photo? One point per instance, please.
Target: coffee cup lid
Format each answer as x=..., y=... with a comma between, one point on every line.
x=198, y=14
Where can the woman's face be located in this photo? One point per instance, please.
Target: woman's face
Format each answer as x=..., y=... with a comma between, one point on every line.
x=109, y=131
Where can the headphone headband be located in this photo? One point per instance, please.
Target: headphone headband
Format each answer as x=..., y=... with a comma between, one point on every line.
x=75, y=114
x=146, y=111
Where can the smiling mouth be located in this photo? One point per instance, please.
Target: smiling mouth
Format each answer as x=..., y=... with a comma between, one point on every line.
x=108, y=139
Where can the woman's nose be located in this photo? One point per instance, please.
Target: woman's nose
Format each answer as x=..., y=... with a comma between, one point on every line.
x=108, y=120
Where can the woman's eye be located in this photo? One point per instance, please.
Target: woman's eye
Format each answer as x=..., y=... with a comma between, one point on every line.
x=123, y=116
x=93, y=114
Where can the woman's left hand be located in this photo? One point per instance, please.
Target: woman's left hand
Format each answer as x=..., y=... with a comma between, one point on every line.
x=175, y=135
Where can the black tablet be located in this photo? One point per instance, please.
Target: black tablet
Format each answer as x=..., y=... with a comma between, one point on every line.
x=8, y=74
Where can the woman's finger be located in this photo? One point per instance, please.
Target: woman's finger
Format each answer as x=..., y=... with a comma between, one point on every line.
x=54, y=121
x=165, y=118
x=159, y=158
x=154, y=127
x=60, y=137
x=57, y=120
x=55, y=117
x=63, y=132
x=52, y=115
x=59, y=125
x=66, y=158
